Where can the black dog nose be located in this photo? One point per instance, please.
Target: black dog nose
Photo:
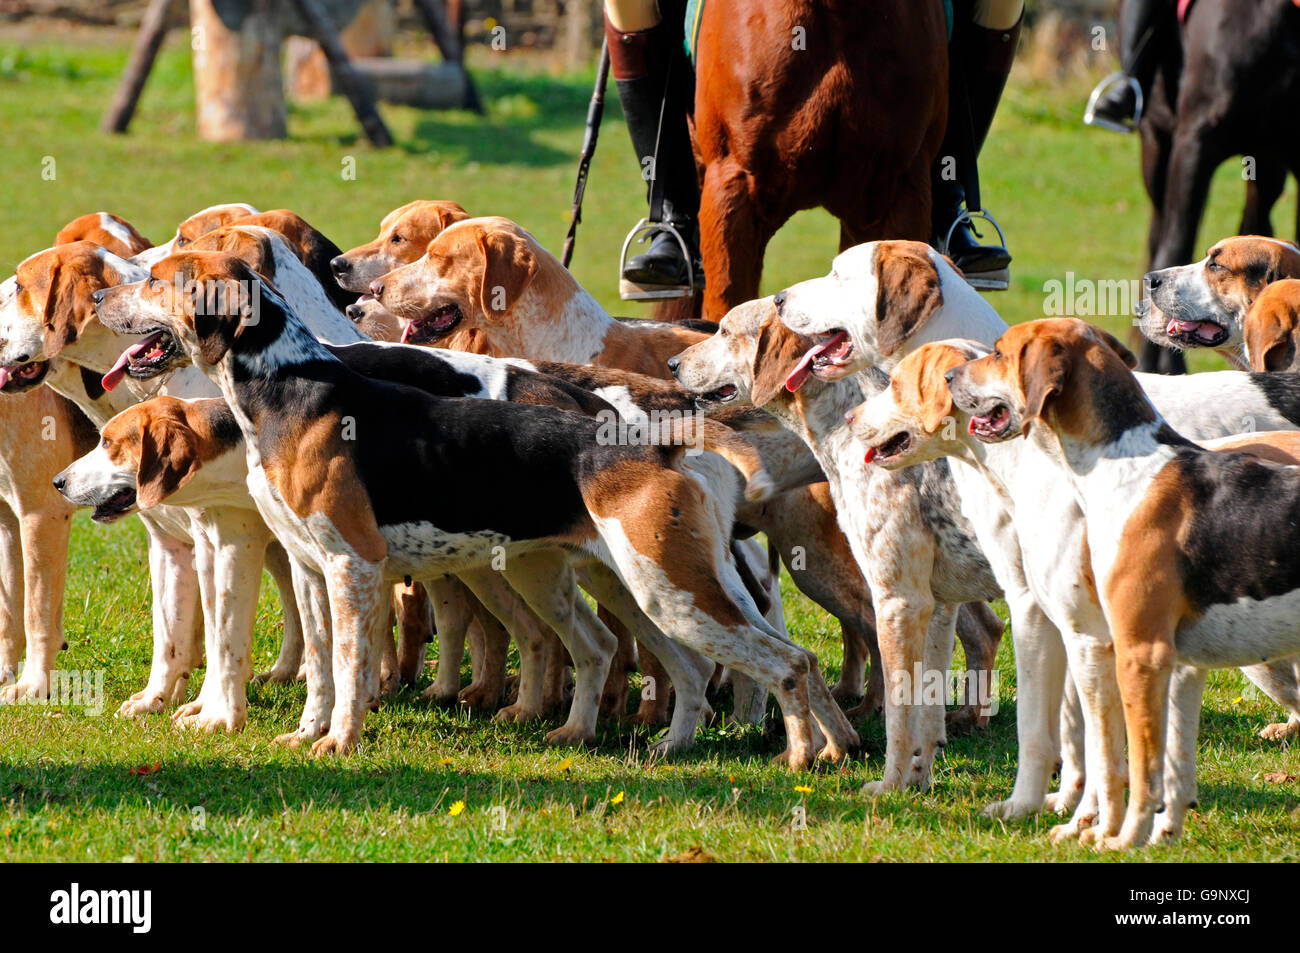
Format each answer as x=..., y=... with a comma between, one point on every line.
x=60, y=482
x=340, y=266
x=98, y=296
x=354, y=312
x=778, y=299
x=1151, y=280
x=377, y=288
x=673, y=364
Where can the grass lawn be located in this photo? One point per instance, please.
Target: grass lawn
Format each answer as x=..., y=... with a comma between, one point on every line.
x=430, y=784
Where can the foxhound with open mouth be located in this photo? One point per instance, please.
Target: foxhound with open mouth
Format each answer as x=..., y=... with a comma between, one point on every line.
x=909, y=537
x=322, y=443
x=1204, y=304
x=1182, y=541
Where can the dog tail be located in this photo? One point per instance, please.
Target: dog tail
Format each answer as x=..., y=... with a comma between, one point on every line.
x=694, y=432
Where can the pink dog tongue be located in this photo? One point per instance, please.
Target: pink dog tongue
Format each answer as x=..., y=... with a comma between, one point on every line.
x=1203, y=329
x=118, y=370
x=802, y=371
x=4, y=377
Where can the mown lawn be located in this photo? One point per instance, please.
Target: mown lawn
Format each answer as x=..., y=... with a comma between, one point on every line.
x=430, y=784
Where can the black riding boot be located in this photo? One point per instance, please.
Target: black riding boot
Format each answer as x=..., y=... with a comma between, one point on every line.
x=981, y=63
x=1142, y=26
x=648, y=87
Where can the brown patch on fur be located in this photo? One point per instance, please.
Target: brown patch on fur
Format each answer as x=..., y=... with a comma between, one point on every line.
x=203, y=222
x=89, y=228
x=775, y=356
x=665, y=519
x=919, y=387
x=907, y=292
x=646, y=350
x=166, y=440
x=248, y=246
x=1059, y=367
x=1276, y=446
x=1272, y=328
x=1146, y=602
x=1246, y=265
x=311, y=467
x=56, y=287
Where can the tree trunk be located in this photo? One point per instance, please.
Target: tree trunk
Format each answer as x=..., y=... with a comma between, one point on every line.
x=237, y=81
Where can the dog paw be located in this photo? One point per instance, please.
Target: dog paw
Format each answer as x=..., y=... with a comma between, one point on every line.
x=209, y=716
x=1063, y=801
x=1010, y=810
x=336, y=743
x=965, y=719
x=142, y=703
x=277, y=675
x=1165, y=830
x=517, y=714
x=846, y=695
x=571, y=736
x=479, y=698
x=670, y=745
x=440, y=697
x=25, y=689
x=1279, y=731
x=1073, y=829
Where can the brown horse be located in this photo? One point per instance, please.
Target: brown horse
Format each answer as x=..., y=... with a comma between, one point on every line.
x=806, y=103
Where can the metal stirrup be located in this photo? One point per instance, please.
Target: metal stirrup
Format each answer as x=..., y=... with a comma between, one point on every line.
x=634, y=291
x=1090, y=117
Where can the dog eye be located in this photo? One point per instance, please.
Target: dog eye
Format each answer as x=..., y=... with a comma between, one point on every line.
x=104, y=443
x=397, y=239
x=1215, y=267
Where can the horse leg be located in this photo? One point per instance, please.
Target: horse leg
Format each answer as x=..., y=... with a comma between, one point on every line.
x=1262, y=193
x=733, y=238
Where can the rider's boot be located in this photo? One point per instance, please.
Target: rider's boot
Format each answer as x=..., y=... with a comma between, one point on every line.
x=1116, y=103
x=983, y=63
x=648, y=88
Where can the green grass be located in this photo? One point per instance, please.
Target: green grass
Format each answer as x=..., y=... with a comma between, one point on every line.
x=1070, y=200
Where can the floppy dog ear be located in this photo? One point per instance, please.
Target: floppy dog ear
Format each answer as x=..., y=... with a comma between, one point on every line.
x=907, y=294
x=1043, y=373
x=1270, y=342
x=69, y=307
x=448, y=214
x=1114, y=344
x=934, y=399
x=222, y=305
x=778, y=351
x=508, y=267
x=169, y=459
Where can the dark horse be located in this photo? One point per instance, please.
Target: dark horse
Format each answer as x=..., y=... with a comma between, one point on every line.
x=806, y=103
x=1233, y=88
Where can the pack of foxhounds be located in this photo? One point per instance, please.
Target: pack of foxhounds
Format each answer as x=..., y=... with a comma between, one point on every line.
x=439, y=435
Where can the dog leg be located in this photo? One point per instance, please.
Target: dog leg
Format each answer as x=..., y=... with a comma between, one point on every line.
x=452, y=617
x=483, y=694
x=547, y=583
x=415, y=628
x=1073, y=776
x=44, y=535
x=557, y=685
x=513, y=613
x=313, y=602
x=1280, y=681
x=229, y=561
x=12, y=638
x=288, y=663
x=175, y=619
x=980, y=631
x=653, y=710
x=358, y=605
x=1185, y=690
x=902, y=620
x=1040, y=675
x=613, y=700
x=1144, y=660
x=689, y=671
x=1101, y=806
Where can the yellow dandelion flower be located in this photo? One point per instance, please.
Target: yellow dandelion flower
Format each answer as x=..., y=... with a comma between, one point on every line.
x=803, y=789
x=444, y=760
x=566, y=764
x=617, y=798
x=456, y=809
